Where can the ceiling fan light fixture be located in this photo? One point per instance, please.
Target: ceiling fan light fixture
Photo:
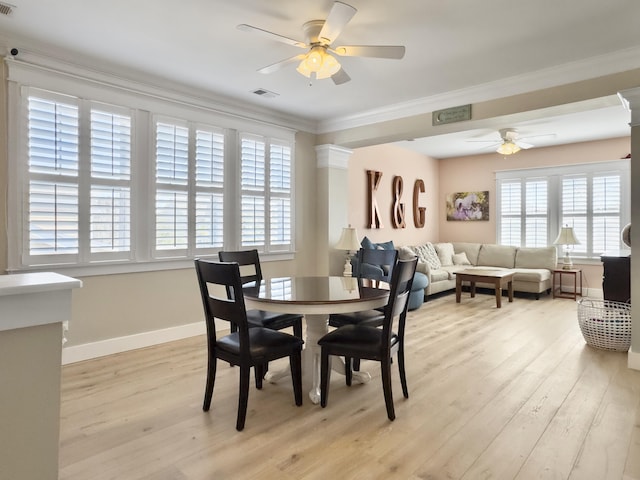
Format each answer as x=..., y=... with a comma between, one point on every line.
x=318, y=61
x=508, y=148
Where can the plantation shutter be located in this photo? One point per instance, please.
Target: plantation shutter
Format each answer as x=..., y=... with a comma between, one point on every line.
x=209, y=189
x=536, y=213
x=511, y=211
x=110, y=220
x=606, y=213
x=172, y=170
x=53, y=146
x=253, y=198
x=280, y=186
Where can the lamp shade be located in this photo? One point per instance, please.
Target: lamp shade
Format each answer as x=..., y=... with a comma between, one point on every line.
x=508, y=148
x=566, y=237
x=348, y=239
x=318, y=62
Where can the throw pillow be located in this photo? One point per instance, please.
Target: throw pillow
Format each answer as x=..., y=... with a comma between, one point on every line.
x=427, y=254
x=405, y=253
x=366, y=243
x=460, y=259
x=386, y=245
x=445, y=253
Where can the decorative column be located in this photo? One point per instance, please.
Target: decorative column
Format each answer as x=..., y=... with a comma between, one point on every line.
x=332, y=206
x=32, y=309
x=631, y=100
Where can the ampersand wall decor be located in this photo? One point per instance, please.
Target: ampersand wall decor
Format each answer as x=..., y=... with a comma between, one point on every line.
x=397, y=212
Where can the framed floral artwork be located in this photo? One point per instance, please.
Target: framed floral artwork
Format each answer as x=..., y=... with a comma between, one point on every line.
x=465, y=206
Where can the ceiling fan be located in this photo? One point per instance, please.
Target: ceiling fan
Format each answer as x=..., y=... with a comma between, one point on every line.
x=511, y=142
x=317, y=62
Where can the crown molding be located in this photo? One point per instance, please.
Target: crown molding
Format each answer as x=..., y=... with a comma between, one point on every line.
x=60, y=61
x=616, y=62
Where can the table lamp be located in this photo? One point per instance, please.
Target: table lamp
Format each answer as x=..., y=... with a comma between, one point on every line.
x=349, y=242
x=566, y=237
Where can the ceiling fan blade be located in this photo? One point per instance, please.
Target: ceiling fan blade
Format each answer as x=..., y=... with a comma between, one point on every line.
x=340, y=77
x=527, y=137
x=523, y=144
x=273, y=36
x=376, y=51
x=283, y=63
x=339, y=16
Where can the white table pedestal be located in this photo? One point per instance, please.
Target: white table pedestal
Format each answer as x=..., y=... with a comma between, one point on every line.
x=317, y=327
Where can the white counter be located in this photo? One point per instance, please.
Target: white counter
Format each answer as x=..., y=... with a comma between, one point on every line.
x=32, y=309
x=30, y=299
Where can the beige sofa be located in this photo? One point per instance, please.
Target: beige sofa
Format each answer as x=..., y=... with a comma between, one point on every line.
x=440, y=261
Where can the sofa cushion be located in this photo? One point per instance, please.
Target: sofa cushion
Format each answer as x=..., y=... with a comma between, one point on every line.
x=460, y=259
x=445, y=253
x=497, y=256
x=471, y=249
x=453, y=269
x=535, y=275
x=439, y=274
x=541, y=257
x=427, y=254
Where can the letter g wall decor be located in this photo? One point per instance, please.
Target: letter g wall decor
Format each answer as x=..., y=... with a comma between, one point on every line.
x=397, y=208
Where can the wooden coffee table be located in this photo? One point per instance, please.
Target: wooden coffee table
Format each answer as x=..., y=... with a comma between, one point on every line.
x=499, y=278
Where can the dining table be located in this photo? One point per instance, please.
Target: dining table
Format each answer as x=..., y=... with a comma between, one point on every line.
x=315, y=297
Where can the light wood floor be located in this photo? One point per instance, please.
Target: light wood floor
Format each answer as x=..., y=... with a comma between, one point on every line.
x=494, y=393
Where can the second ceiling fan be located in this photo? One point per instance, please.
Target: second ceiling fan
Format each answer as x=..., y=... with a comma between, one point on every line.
x=317, y=62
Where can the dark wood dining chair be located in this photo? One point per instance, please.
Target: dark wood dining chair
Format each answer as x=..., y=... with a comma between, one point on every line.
x=245, y=347
x=383, y=260
x=250, y=271
x=372, y=343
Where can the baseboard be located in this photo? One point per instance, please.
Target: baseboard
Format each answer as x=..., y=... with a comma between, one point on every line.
x=633, y=359
x=110, y=346
x=593, y=293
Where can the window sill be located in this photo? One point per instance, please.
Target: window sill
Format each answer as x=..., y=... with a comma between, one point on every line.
x=98, y=269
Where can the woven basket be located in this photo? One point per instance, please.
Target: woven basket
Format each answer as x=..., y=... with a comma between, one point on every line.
x=605, y=324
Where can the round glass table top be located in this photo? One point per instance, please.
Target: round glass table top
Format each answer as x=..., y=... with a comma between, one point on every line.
x=316, y=290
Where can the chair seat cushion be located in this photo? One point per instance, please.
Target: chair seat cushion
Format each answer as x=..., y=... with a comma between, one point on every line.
x=356, y=341
x=263, y=343
x=272, y=320
x=373, y=318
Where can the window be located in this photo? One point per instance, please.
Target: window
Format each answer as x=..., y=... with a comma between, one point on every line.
x=125, y=189
x=60, y=228
x=592, y=205
x=265, y=194
x=178, y=147
x=592, y=198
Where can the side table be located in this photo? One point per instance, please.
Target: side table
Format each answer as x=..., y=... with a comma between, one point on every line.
x=558, y=292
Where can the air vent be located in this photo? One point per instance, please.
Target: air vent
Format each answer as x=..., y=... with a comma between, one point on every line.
x=6, y=9
x=265, y=93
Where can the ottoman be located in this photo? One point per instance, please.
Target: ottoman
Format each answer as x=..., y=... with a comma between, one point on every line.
x=416, y=297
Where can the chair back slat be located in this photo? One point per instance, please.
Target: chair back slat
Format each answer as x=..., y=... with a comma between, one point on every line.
x=401, y=281
x=249, y=262
x=229, y=306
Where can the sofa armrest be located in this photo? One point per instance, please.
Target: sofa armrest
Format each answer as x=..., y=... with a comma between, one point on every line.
x=423, y=267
